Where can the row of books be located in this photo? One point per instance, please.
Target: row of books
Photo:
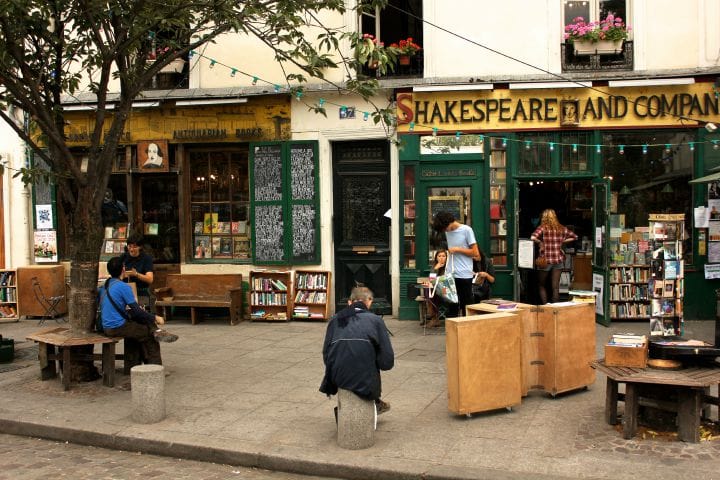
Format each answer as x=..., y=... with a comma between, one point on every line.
x=268, y=284
x=8, y=295
x=263, y=298
x=7, y=279
x=666, y=307
x=262, y=314
x=629, y=274
x=7, y=311
x=304, y=312
x=317, y=281
x=119, y=230
x=310, y=297
x=625, y=292
x=211, y=224
x=114, y=246
x=498, y=228
x=629, y=310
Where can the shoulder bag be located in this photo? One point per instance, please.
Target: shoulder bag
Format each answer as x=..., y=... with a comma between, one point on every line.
x=445, y=285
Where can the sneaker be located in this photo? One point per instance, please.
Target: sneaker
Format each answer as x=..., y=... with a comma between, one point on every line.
x=165, y=336
x=381, y=406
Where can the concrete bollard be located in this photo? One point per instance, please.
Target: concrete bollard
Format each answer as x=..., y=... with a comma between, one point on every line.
x=356, y=421
x=147, y=383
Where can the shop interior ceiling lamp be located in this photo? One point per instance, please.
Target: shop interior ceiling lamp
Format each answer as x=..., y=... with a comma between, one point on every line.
x=667, y=188
x=625, y=190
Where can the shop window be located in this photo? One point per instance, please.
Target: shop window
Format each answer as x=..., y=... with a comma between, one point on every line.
x=550, y=153
x=219, y=204
x=650, y=174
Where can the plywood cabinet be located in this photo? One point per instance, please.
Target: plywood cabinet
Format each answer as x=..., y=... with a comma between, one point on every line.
x=483, y=362
x=557, y=344
x=52, y=282
x=566, y=346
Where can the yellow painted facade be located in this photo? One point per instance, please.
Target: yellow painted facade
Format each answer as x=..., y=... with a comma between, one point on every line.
x=261, y=119
x=597, y=107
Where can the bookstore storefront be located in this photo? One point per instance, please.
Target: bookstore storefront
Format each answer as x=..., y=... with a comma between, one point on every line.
x=184, y=177
x=604, y=159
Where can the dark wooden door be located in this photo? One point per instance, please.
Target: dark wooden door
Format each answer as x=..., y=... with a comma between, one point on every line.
x=361, y=196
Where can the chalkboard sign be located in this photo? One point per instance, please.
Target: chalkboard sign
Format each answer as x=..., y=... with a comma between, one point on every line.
x=303, y=226
x=267, y=173
x=269, y=246
x=453, y=204
x=302, y=172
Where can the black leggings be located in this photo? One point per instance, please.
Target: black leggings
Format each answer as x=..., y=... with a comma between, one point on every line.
x=465, y=297
x=554, y=275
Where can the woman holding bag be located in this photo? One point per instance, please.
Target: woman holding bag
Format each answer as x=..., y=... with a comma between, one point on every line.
x=462, y=248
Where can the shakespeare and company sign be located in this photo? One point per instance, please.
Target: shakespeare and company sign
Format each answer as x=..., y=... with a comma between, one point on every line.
x=604, y=107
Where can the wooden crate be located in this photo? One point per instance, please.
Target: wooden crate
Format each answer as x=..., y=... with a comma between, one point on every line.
x=566, y=346
x=528, y=343
x=617, y=356
x=483, y=362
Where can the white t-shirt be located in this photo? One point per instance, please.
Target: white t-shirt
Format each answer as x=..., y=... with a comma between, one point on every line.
x=460, y=264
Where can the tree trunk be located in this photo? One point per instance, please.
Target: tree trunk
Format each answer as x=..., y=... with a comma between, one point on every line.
x=84, y=279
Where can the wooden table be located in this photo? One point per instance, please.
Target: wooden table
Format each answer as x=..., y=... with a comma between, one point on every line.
x=691, y=384
x=62, y=338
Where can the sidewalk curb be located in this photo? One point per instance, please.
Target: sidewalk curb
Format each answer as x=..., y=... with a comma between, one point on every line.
x=267, y=461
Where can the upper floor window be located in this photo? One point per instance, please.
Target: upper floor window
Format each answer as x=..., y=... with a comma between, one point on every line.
x=591, y=56
x=593, y=10
x=400, y=21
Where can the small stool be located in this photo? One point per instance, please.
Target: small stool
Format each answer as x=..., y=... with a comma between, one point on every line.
x=356, y=421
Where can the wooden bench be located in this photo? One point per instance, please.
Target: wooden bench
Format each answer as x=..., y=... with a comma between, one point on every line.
x=691, y=385
x=201, y=291
x=68, y=352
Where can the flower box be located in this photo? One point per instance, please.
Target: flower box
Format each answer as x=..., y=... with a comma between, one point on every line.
x=176, y=66
x=601, y=47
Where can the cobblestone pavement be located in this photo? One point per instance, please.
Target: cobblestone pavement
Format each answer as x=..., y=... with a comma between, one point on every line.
x=24, y=458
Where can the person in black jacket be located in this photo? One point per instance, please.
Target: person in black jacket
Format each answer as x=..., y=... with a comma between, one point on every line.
x=356, y=347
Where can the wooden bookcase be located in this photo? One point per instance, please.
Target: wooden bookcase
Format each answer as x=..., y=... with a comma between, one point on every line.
x=8, y=296
x=629, y=298
x=310, y=295
x=270, y=295
x=52, y=282
x=498, y=211
x=483, y=362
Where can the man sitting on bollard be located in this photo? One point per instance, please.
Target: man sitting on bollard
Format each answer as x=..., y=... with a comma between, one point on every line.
x=357, y=346
x=123, y=317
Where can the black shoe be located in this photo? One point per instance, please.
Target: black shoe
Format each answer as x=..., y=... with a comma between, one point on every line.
x=165, y=336
x=381, y=406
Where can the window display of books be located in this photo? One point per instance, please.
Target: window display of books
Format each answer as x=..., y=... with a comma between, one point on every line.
x=666, y=283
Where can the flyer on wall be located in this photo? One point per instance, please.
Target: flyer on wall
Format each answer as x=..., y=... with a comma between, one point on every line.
x=45, y=246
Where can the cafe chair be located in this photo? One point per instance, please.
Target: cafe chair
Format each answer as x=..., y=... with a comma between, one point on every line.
x=432, y=316
x=49, y=304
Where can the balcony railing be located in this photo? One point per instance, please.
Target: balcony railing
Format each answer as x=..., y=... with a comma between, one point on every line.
x=585, y=63
x=414, y=70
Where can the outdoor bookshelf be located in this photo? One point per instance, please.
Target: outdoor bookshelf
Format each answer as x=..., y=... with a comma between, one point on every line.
x=409, y=218
x=8, y=297
x=310, y=295
x=666, y=273
x=629, y=271
x=269, y=290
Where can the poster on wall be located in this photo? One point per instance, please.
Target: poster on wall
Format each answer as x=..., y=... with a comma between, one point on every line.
x=45, y=246
x=598, y=286
x=526, y=250
x=43, y=217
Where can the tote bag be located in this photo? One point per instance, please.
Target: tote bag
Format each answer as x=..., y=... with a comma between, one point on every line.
x=445, y=285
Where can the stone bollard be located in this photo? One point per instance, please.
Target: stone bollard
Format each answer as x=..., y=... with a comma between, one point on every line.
x=147, y=383
x=356, y=421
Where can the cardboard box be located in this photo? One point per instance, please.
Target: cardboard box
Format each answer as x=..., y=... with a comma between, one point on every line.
x=626, y=356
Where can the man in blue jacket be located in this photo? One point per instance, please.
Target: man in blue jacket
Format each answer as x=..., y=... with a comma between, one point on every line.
x=357, y=346
x=123, y=317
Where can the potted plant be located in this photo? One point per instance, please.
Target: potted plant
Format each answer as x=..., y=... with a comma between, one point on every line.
x=406, y=48
x=369, y=51
x=603, y=37
x=175, y=66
